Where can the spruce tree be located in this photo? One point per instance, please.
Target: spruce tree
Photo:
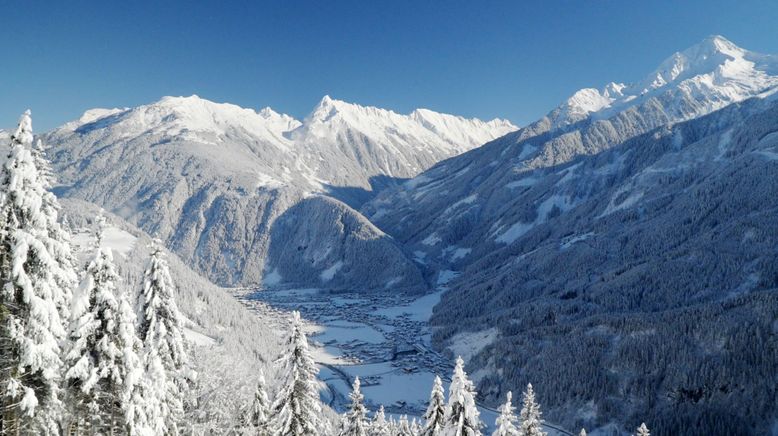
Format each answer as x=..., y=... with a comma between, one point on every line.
x=643, y=430
x=165, y=359
x=102, y=363
x=380, y=426
x=297, y=409
x=583, y=432
x=403, y=427
x=260, y=408
x=392, y=426
x=354, y=420
x=37, y=280
x=436, y=410
x=462, y=416
x=506, y=421
x=415, y=427
x=530, y=415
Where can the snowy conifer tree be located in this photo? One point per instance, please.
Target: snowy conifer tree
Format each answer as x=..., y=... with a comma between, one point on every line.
x=165, y=359
x=583, y=432
x=415, y=427
x=643, y=430
x=354, y=420
x=37, y=280
x=379, y=426
x=506, y=422
x=260, y=408
x=59, y=233
x=530, y=415
x=436, y=410
x=462, y=417
x=102, y=364
x=403, y=427
x=297, y=410
x=392, y=426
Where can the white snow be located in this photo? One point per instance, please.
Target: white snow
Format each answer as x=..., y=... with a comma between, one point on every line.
x=198, y=339
x=422, y=129
x=272, y=278
x=769, y=139
x=446, y=276
x=514, y=232
x=468, y=344
x=460, y=253
x=770, y=155
x=725, y=140
x=419, y=309
x=467, y=200
x=626, y=203
x=118, y=240
x=715, y=71
x=526, y=151
x=570, y=240
x=393, y=281
x=527, y=181
x=266, y=181
x=411, y=388
x=345, y=332
x=330, y=272
x=432, y=239
x=562, y=202
x=415, y=182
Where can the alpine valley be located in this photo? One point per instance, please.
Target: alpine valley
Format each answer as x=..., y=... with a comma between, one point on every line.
x=620, y=253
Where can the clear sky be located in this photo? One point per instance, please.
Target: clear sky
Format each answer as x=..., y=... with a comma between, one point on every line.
x=512, y=59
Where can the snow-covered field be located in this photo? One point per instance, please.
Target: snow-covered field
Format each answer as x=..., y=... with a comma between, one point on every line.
x=382, y=339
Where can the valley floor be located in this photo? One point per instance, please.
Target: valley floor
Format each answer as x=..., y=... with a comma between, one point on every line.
x=383, y=338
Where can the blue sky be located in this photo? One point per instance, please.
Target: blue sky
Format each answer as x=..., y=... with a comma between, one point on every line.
x=510, y=59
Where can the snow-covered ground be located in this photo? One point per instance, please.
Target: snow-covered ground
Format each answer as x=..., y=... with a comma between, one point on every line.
x=118, y=240
x=383, y=339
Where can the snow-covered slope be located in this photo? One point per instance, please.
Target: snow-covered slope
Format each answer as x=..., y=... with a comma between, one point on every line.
x=373, y=141
x=457, y=198
x=211, y=179
x=612, y=236
x=231, y=344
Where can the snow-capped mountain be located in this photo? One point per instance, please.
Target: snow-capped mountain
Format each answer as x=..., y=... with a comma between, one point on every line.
x=599, y=236
x=697, y=81
x=212, y=180
x=381, y=142
x=710, y=74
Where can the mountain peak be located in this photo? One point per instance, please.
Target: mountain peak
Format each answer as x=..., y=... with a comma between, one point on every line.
x=705, y=57
x=326, y=100
x=714, y=70
x=717, y=44
x=328, y=107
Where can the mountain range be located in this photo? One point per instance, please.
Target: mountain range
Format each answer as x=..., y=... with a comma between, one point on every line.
x=620, y=251
x=223, y=185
